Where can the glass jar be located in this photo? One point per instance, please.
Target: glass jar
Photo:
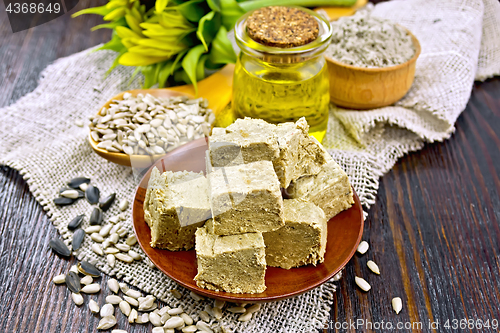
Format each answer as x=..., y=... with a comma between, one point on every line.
x=283, y=84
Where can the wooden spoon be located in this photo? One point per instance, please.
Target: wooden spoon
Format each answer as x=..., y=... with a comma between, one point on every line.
x=216, y=88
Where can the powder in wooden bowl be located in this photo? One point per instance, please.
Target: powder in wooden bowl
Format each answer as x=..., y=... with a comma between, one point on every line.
x=282, y=26
x=367, y=41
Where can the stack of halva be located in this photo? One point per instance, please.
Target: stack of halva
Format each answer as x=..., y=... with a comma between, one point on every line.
x=236, y=216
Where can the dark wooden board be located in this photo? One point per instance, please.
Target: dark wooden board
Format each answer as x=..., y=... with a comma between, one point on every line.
x=434, y=230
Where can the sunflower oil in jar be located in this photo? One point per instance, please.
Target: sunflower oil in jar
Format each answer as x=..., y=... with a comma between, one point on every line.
x=283, y=82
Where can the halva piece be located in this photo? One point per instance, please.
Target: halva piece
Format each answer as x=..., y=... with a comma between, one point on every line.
x=178, y=203
x=246, y=140
x=234, y=264
x=245, y=198
x=302, y=240
x=329, y=189
x=300, y=154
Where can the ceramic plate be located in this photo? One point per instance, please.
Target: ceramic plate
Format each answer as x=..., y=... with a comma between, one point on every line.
x=344, y=234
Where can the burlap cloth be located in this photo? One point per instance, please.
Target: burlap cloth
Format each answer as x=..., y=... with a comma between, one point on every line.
x=460, y=43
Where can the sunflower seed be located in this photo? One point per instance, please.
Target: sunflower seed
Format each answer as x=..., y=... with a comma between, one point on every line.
x=154, y=319
x=77, y=298
x=96, y=216
x=113, y=285
x=363, y=247
x=59, y=279
x=202, y=326
x=75, y=223
x=124, y=307
x=253, y=308
x=219, y=304
x=92, y=229
x=217, y=313
x=97, y=249
x=134, y=255
x=93, y=306
x=124, y=257
x=122, y=232
x=59, y=247
x=132, y=317
x=113, y=299
x=123, y=287
x=236, y=309
x=131, y=301
x=111, y=260
x=106, y=203
x=114, y=238
x=131, y=240
x=92, y=194
x=174, y=322
x=187, y=319
x=245, y=317
x=97, y=238
x=158, y=330
x=111, y=250
x=208, y=309
x=397, y=304
x=189, y=329
x=105, y=230
x=91, y=288
x=106, y=323
x=61, y=201
x=204, y=316
x=72, y=194
x=78, y=237
x=74, y=269
x=133, y=293
x=107, y=310
x=365, y=286
x=119, y=331
x=86, y=280
x=76, y=182
x=146, y=304
x=83, y=187
x=87, y=268
x=176, y=293
x=143, y=319
x=73, y=282
x=122, y=247
x=373, y=267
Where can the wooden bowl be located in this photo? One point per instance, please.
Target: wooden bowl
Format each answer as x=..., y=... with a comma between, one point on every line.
x=215, y=88
x=368, y=88
x=344, y=234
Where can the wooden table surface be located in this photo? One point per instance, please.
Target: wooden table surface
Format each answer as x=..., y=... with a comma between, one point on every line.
x=434, y=230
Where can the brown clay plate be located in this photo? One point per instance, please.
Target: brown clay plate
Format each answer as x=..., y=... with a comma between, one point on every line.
x=344, y=234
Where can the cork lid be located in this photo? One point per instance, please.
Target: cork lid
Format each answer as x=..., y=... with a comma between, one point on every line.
x=282, y=27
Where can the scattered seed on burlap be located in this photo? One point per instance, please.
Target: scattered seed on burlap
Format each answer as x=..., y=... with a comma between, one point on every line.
x=106, y=202
x=75, y=223
x=142, y=124
x=174, y=322
x=92, y=194
x=61, y=201
x=87, y=268
x=96, y=216
x=76, y=182
x=78, y=237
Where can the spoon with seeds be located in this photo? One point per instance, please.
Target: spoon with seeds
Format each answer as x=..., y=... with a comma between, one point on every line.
x=105, y=141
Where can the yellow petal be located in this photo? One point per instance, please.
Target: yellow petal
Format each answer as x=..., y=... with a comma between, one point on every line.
x=133, y=59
